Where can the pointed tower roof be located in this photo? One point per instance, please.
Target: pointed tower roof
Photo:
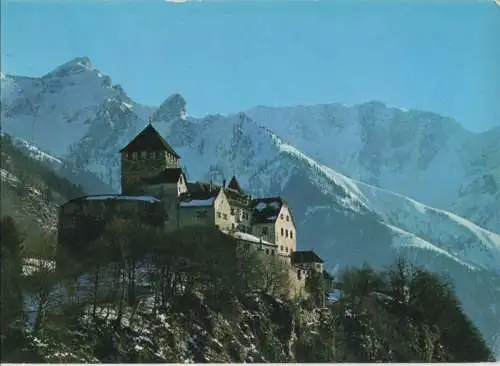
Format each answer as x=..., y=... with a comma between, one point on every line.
x=233, y=184
x=149, y=140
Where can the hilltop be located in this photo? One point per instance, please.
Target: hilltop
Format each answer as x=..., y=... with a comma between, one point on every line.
x=195, y=301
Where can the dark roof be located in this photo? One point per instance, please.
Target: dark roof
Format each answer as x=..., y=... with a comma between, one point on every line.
x=266, y=210
x=149, y=140
x=201, y=191
x=306, y=256
x=237, y=198
x=170, y=175
x=233, y=184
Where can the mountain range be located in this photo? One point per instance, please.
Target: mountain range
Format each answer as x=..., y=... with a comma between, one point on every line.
x=366, y=183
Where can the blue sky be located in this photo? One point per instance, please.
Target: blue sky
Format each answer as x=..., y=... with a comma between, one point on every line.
x=228, y=56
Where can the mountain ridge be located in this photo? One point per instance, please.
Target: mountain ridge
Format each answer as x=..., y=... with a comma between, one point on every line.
x=347, y=221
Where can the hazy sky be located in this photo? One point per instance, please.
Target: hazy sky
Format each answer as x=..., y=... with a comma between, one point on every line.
x=228, y=56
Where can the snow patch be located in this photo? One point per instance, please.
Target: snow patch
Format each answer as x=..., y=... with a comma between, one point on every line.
x=120, y=197
x=8, y=176
x=249, y=237
x=198, y=203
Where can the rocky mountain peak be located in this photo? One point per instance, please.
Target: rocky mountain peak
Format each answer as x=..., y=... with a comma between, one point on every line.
x=244, y=118
x=174, y=107
x=76, y=66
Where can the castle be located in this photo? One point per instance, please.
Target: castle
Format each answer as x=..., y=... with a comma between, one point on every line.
x=156, y=191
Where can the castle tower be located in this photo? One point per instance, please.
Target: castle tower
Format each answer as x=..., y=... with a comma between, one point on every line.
x=235, y=185
x=145, y=156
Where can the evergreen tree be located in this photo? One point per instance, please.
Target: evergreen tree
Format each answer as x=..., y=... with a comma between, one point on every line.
x=11, y=302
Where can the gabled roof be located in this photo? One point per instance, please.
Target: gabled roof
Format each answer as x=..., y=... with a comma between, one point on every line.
x=233, y=184
x=237, y=198
x=199, y=194
x=201, y=190
x=266, y=210
x=170, y=175
x=306, y=256
x=149, y=140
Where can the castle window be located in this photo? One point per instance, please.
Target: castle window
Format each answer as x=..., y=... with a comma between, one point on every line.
x=291, y=234
x=152, y=155
x=267, y=251
x=286, y=233
x=264, y=230
x=224, y=216
x=281, y=216
x=287, y=218
x=281, y=248
x=286, y=249
x=134, y=156
x=282, y=232
x=274, y=252
x=232, y=211
x=219, y=214
x=143, y=154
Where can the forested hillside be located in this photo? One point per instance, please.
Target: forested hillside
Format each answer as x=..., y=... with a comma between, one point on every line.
x=31, y=192
x=137, y=295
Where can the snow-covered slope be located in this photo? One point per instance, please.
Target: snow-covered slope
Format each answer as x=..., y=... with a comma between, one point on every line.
x=61, y=103
x=419, y=154
x=37, y=154
x=415, y=224
x=346, y=221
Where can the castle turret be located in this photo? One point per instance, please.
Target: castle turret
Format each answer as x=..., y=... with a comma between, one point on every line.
x=145, y=156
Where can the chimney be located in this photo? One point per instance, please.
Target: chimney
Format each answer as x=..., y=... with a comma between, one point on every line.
x=223, y=183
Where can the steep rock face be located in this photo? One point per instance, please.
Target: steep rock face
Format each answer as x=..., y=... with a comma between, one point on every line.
x=108, y=132
x=174, y=107
x=479, y=196
x=419, y=154
x=253, y=328
x=258, y=329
